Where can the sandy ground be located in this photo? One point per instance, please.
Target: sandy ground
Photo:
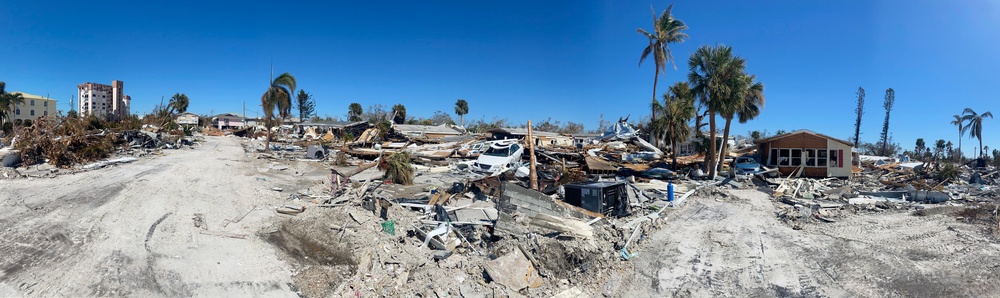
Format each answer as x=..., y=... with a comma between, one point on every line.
x=157, y=227
x=736, y=247
x=130, y=230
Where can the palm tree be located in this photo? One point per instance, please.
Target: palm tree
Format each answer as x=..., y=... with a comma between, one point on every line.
x=461, y=108
x=713, y=70
x=178, y=103
x=753, y=100
x=8, y=103
x=961, y=133
x=745, y=103
x=278, y=95
x=354, y=112
x=677, y=112
x=399, y=113
x=666, y=30
x=975, y=126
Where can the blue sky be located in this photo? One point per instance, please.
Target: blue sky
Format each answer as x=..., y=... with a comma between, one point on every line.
x=568, y=60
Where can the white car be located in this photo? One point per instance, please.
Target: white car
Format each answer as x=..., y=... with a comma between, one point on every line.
x=499, y=157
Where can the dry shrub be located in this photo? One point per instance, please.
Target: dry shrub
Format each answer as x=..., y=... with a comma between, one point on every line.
x=397, y=168
x=72, y=141
x=341, y=159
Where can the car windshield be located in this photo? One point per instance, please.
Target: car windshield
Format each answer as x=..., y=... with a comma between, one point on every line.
x=502, y=152
x=745, y=160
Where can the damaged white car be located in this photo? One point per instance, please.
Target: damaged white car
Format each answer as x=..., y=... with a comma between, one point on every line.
x=500, y=157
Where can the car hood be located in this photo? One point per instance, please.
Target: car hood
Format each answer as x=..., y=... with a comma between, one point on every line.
x=493, y=160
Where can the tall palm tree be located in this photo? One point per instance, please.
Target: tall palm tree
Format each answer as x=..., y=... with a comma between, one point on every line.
x=712, y=72
x=278, y=96
x=399, y=113
x=462, y=108
x=178, y=103
x=753, y=100
x=354, y=112
x=975, y=126
x=961, y=133
x=745, y=103
x=677, y=112
x=666, y=30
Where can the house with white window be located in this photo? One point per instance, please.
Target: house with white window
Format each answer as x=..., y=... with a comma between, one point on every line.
x=819, y=155
x=34, y=106
x=228, y=121
x=187, y=119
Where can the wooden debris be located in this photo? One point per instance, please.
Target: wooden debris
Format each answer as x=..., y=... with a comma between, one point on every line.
x=563, y=225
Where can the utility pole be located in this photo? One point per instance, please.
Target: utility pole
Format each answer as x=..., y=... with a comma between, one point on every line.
x=71, y=107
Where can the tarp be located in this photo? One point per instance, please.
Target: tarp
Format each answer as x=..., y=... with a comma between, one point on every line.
x=620, y=131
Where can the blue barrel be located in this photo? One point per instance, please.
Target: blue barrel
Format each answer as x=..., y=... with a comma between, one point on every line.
x=670, y=192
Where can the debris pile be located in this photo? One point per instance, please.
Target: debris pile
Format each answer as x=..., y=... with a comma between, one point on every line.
x=51, y=145
x=452, y=226
x=883, y=186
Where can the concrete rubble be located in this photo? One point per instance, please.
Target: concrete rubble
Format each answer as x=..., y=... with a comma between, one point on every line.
x=563, y=223
x=459, y=232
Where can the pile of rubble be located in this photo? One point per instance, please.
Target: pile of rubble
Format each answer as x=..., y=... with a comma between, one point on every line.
x=883, y=187
x=460, y=230
x=50, y=147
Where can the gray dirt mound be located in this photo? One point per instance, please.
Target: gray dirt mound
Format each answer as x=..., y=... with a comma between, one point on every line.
x=320, y=261
x=564, y=261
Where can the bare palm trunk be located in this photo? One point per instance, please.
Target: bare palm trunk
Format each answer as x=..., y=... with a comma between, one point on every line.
x=725, y=143
x=267, y=142
x=673, y=150
x=652, y=108
x=959, y=146
x=711, y=146
x=980, y=147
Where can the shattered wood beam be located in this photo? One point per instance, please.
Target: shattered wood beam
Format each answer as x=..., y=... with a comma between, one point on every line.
x=359, y=169
x=531, y=151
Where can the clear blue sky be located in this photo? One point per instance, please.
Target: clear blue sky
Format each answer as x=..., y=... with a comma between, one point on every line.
x=568, y=60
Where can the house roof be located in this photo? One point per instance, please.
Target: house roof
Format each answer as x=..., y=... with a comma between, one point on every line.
x=334, y=124
x=32, y=96
x=227, y=115
x=803, y=131
x=524, y=132
x=425, y=129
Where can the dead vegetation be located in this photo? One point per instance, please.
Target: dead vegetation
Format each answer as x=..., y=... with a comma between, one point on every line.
x=397, y=168
x=71, y=141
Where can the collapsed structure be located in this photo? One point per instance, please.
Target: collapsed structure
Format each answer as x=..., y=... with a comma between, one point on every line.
x=531, y=213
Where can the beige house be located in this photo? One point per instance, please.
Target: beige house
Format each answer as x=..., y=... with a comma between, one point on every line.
x=817, y=154
x=34, y=106
x=187, y=119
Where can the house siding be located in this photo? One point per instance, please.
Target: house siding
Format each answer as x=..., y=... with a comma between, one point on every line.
x=803, y=141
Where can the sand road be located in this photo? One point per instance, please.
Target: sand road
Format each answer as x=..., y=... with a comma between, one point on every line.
x=736, y=247
x=130, y=230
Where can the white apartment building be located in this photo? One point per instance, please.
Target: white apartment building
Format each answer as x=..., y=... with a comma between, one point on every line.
x=103, y=100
